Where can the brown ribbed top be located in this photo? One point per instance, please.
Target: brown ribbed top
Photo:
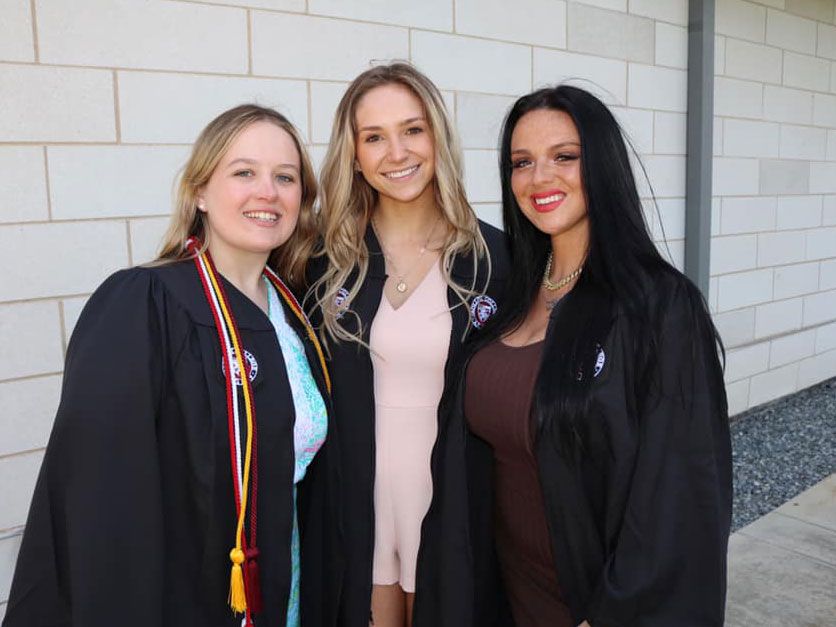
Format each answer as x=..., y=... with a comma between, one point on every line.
x=499, y=387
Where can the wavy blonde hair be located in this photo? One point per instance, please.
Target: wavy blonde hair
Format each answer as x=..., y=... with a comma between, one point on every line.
x=290, y=259
x=347, y=200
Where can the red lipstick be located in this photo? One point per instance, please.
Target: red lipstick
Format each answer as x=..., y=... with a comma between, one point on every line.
x=550, y=200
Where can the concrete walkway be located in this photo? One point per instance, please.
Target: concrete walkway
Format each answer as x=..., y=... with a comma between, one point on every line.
x=782, y=567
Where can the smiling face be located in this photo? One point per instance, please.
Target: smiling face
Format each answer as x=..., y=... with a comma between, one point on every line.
x=394, y=143
x=546, y=172
x=252, y=199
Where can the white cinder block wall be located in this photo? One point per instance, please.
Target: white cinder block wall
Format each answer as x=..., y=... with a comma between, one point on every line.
x=99, y=100
x=773, y=250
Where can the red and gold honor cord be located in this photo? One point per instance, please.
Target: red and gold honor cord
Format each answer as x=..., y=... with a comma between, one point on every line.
x=244, y=591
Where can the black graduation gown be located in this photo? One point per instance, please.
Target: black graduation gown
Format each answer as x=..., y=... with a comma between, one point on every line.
x=640, y=528
x=353, y=400
x=133, y=515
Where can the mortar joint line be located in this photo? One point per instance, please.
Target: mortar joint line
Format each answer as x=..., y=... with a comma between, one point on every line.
x=117, y=118
x=33, y=12
x=531, y=86
x=453, y=8
x=128, y=238
x=48, y=189
x=310, y=111
x=23, y=453
x=249, y=43
x=12, y=533
x=62, y=328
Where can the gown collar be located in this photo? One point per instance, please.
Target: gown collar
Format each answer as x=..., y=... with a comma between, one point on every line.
x=184, y=282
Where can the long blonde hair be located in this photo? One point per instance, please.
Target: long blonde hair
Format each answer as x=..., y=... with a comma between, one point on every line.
x=347, y=200
x=290, y=258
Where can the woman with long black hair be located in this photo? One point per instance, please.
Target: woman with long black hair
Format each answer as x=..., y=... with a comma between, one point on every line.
x=599, y=392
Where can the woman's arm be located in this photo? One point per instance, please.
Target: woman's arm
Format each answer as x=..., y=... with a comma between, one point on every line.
x=93, y=549
x=668, y=565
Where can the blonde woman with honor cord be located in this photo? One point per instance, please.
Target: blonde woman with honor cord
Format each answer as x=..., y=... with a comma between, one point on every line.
x=178, y=484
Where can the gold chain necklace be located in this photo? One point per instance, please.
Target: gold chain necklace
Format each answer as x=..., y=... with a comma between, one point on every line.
x=402, y=286
x=547, y=283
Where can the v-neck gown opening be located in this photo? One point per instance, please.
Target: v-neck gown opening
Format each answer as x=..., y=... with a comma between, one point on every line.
x=309, y=428
x=500, y=383
x=409, y=350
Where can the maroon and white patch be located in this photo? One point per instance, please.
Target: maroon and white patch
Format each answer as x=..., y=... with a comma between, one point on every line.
x=250, y=364
x=339, y=301
x=600, y=360
x=481, y=309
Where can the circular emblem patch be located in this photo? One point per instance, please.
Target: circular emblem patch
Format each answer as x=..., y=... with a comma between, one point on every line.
x=339, y=301
x=481, y=309
x=250, y=364
x=599, y=361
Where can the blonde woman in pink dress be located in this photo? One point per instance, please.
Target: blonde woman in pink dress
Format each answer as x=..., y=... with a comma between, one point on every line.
x=405, y=260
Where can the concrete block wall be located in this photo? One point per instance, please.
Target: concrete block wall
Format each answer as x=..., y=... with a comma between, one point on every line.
x=773, y=250
x=100, y=99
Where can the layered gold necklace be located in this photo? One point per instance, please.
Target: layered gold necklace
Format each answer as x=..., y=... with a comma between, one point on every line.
x=556, y=285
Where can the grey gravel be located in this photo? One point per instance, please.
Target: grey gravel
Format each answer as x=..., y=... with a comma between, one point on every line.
x=781, y=449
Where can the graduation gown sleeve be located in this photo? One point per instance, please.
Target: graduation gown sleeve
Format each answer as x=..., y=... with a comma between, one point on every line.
x=667, y=565
x=92, y=551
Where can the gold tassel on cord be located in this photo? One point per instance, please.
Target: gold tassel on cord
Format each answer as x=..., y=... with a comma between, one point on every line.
x=237, y=598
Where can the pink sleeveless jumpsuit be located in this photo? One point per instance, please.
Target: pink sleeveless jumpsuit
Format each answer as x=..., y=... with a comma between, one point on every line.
x=409, y=350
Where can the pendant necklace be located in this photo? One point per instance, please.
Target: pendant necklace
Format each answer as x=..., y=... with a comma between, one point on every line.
x=402, y=286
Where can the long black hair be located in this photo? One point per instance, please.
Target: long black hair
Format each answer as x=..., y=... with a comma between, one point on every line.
x=622, y=267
